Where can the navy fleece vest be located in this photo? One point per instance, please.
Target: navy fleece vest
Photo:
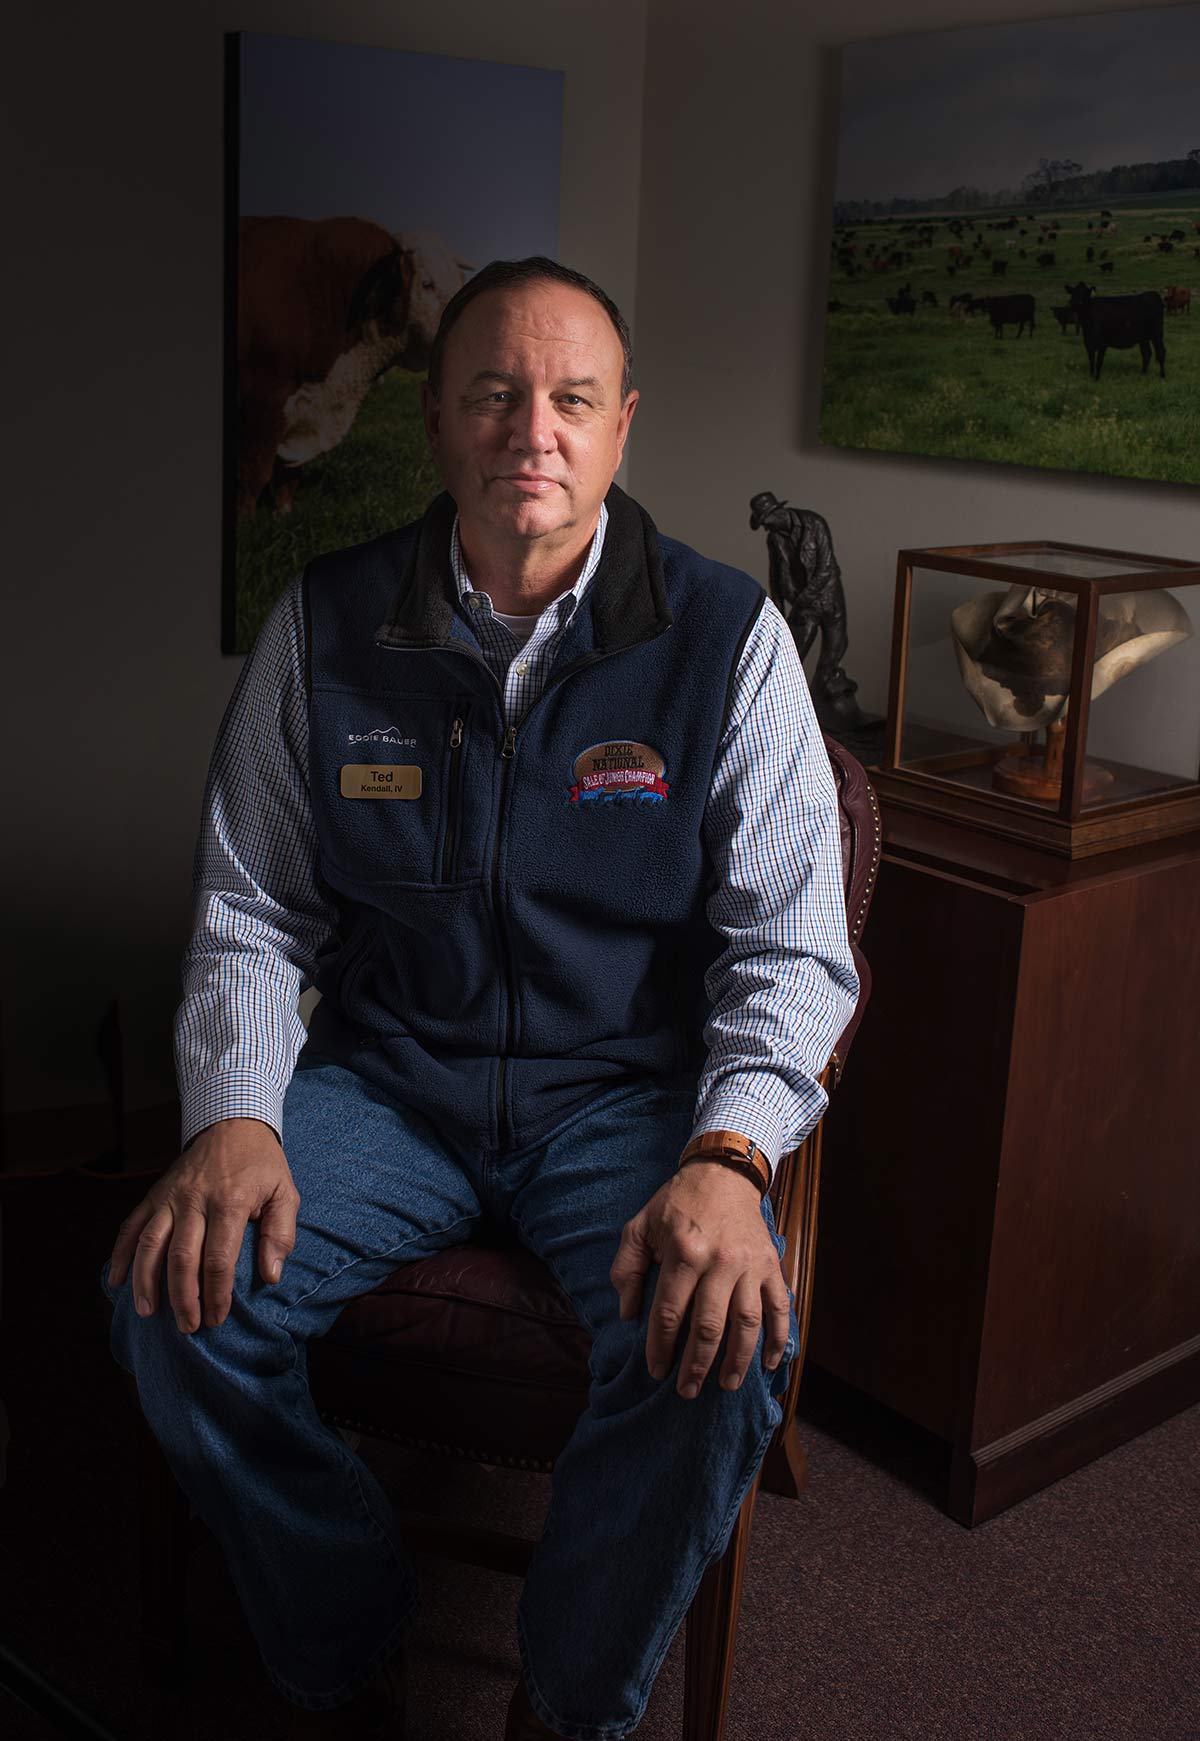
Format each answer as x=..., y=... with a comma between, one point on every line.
x=531, y=928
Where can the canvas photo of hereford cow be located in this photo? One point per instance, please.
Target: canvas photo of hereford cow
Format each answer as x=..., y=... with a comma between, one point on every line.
x=1016, y=246
x=363, y=189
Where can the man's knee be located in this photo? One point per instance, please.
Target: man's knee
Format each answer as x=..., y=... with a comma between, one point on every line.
x=251, y=1324
x=622, y=1376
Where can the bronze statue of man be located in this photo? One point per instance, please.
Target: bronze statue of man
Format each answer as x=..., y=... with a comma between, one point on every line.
x=805, y=583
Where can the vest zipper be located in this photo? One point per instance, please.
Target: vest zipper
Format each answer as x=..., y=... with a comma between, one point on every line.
x=507, y=752
x=502, y=949
x=579, y=665
x=454, y=796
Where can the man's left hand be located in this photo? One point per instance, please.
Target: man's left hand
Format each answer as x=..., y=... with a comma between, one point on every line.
x=705, y=1230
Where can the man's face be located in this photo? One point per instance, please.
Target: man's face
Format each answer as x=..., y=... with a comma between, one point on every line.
x=529, y=426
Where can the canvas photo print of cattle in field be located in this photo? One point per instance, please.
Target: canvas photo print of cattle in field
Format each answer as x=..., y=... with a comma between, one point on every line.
x=364, y=186
x=1016, y=246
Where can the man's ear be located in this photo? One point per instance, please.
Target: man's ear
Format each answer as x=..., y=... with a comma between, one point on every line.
x=624, y=419
x=430, y=408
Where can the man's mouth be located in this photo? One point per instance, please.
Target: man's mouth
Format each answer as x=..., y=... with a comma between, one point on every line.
x=532, y=484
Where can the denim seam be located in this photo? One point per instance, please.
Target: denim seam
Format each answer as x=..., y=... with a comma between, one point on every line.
x=353, y=1477
x=353, y=1480
x=371, y=1257
x=593, y=1733
x=545, y=1712
x=343, y=1694
x=751, y=1466
x=346, y=1690
x=349, y=1463
x=560, y=1130
x=552, y=1266
x=568, y=1731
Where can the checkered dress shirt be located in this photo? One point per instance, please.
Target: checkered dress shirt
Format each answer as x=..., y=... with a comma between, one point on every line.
x=781, y=990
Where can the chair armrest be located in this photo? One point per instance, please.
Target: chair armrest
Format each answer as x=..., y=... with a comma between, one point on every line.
x=846, y=1037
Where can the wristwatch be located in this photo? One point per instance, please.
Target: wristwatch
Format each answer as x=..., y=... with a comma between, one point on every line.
x=731, y=1149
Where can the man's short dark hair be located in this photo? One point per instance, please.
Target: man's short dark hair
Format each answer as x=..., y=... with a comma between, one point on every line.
x=500, y=275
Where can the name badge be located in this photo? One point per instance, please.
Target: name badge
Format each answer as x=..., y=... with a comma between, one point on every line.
x=392, y=780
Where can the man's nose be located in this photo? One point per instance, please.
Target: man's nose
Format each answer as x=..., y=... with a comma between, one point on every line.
x=533, y=427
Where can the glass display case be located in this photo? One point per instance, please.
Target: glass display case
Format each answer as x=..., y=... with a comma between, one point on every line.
x=1047, y=692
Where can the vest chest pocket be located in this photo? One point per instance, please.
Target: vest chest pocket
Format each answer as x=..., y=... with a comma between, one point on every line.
x=388, y=801
x=453, y=823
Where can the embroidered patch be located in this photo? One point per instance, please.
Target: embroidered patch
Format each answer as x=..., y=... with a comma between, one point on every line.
x=620, y=770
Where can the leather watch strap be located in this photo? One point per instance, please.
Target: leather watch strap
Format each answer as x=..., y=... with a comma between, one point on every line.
x=730, y=1148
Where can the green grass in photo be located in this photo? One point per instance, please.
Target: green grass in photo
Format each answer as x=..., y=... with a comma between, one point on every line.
x=931, y=383
x=379, y=477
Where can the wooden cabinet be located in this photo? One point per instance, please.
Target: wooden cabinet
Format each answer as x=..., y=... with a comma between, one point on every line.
x=1009, y=1243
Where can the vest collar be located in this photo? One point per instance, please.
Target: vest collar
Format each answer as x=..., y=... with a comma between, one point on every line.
x=627, y=593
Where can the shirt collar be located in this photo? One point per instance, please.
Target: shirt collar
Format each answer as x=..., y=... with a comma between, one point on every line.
x=629, y=608
x=568, y=602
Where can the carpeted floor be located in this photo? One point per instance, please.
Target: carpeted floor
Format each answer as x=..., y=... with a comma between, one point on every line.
x=868, y=1614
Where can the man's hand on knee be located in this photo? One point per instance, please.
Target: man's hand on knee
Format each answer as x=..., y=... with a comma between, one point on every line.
x=705, y=1230
x=195, y=1217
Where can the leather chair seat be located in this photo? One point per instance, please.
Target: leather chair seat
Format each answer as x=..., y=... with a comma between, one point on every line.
x=479, y=1338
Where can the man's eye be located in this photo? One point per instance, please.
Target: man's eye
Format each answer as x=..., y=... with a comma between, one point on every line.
x=571, y=399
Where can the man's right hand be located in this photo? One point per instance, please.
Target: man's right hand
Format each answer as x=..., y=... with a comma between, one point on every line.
x=233, y=1172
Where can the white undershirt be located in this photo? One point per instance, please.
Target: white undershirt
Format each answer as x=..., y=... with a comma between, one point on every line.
x=521, y=627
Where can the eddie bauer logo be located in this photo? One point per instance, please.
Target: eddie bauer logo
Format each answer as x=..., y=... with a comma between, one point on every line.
x=619, y=771
x=387, y=734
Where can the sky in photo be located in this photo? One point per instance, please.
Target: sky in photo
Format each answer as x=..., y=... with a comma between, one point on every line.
x=467, y=148
x=978, y=107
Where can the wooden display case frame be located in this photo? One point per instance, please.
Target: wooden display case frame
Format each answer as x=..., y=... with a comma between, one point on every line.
x=1067, y=829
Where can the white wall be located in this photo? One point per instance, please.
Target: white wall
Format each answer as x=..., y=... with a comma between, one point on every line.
x=114, y=683
x=737, y=191
x=707, y=215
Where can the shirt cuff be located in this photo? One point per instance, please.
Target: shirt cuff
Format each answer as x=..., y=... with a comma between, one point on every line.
x=741, y=1108
x=232, y=1094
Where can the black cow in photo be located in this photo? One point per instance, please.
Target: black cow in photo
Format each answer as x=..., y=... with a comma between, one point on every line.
x=1005, y=311
x=1119, y=323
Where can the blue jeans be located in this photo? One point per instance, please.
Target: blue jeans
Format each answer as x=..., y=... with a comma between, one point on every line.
x=643, y=1498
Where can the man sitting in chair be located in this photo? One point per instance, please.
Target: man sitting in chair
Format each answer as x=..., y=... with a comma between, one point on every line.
x=535, y=798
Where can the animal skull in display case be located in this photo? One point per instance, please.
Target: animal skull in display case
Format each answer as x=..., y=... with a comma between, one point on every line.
x=1067, y=625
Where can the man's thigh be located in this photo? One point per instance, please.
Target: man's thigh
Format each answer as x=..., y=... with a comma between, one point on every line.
x=577, y=1191
x=378, y=1188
